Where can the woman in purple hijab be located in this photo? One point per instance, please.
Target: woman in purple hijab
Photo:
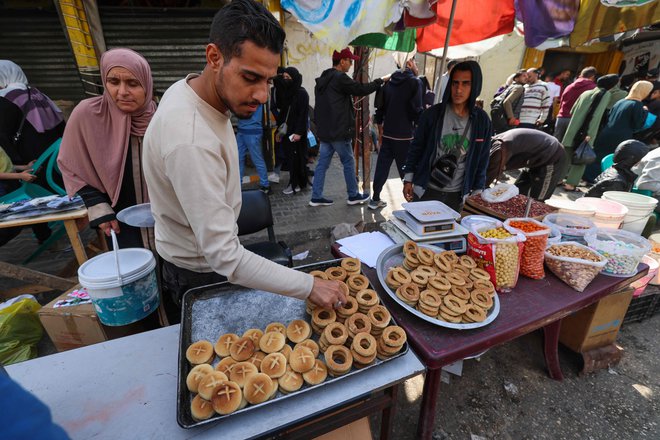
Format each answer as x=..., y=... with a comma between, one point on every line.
x=29, y=121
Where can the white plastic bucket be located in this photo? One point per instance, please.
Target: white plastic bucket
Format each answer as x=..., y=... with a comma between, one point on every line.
x=571, y=207
x=640, y=208
x=609, y=214
x=122, y=284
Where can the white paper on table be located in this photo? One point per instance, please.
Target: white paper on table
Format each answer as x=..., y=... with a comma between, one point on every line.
x=366, y=246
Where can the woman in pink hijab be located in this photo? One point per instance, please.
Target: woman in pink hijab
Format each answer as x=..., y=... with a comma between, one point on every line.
x=100, y=156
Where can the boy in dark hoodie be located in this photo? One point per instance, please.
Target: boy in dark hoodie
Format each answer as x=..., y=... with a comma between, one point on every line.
x=396, y=117
x=620, y=177
x=448, y=156
x=335, y=124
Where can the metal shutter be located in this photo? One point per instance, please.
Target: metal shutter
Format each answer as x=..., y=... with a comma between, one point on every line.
x=34, y=39
x=172, y=40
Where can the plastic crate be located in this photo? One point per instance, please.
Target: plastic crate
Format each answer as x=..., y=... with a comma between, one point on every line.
x=642, y=307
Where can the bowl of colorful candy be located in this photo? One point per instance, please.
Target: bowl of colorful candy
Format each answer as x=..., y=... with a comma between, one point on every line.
x=624, y=250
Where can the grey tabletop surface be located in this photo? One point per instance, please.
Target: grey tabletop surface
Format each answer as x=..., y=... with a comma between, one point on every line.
x=126, y=388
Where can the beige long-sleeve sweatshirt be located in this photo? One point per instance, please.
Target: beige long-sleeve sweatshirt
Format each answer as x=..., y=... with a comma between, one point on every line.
x=191, y=167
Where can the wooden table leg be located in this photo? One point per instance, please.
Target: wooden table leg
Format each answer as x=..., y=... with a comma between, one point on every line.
x=388, y=413
x=426, y=422
x=76, y=242
x=551, y=347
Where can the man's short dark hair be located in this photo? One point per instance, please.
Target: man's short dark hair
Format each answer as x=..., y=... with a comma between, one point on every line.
x=451, y=64
x=245, y=20
x=589, y=72
x=336, y=62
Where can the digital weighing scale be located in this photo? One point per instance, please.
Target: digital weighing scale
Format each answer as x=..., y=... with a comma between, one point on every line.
x=455, y=240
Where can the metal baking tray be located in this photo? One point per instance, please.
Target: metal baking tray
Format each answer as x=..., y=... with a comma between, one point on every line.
x=210, y=311
x=393, y=256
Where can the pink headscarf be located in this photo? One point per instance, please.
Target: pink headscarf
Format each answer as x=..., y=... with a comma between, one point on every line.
x=96, y=138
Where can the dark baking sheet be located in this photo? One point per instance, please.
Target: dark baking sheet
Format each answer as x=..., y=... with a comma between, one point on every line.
x=213, y=310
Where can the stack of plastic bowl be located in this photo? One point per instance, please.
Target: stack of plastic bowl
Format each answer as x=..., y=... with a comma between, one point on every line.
x=649, y=278
x=624, y=250
x=654, y=239
x=571, y=227
x=571, y=207
x=609, y=214
x=639, y=207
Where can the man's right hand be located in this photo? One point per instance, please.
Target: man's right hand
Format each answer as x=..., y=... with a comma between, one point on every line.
x=107, y=226
x=326, y=293
x=408, y=191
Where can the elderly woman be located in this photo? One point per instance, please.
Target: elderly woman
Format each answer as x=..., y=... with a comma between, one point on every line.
x=101, y=151
x=626, y=117
x=29, y=121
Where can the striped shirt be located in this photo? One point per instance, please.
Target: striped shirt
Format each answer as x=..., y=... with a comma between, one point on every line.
x=536, y=103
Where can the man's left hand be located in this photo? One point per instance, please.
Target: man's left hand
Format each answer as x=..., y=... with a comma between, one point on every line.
x=295, y=137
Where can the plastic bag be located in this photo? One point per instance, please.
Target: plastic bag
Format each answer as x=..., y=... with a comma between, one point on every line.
x=20, y=329
x=584, y=154
x=536, y=234
x=500, y=257
x=499, y=193
x=571, y=227
x=573, y=267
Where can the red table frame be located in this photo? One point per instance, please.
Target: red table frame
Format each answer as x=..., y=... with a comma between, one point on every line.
x=533, y=304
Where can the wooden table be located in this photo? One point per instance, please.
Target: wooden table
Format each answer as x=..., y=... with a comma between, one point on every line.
x=71, y=220
x=533, y=304
x=127, y=388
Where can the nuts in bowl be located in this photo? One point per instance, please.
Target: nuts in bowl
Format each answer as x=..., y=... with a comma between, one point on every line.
x=574, y=263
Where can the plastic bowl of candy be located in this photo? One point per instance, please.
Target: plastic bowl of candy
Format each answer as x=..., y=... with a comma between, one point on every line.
x=624, y=250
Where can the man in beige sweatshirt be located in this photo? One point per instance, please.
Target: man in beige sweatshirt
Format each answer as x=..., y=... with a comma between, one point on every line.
x=191, y=165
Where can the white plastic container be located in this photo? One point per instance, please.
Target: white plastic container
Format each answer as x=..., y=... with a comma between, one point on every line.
x=571, y=207
x=640, y=208
x=571, y=227
x=623, y=250
x=122, y=284
x=608, y=213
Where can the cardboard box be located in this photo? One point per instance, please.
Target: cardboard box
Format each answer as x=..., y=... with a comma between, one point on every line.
x=358, y=430
x=76, y=326
x=597, y=325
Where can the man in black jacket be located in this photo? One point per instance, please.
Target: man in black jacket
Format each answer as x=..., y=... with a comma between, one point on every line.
x=448, y=157
x=335, y=124
x=396, y=117
x=541, y=155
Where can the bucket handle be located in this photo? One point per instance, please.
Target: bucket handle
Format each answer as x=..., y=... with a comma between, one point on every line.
x=115, y=251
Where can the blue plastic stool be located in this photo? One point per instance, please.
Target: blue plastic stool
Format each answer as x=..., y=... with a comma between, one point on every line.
x=607, y=162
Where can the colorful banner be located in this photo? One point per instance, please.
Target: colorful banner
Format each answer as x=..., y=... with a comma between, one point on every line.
x=474, y=20
x=398, y=41
x=597, y=20
x=545, y=19
x=338, y=22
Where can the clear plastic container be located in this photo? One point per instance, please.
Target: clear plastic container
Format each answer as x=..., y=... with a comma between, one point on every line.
x=573, y=267
x=472, y=220
x=623, y=249
x=571, y=227
x=554, y=237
